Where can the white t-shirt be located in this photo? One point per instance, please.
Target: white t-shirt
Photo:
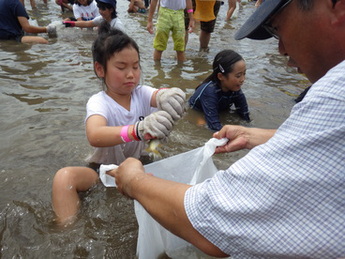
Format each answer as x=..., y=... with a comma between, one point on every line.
x=116, y=115
x=115, y=23
x=87, y=13
x=174, y=4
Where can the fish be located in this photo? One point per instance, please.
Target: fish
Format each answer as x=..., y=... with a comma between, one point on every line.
x=152, y=149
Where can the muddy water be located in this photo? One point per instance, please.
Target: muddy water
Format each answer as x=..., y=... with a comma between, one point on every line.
x=44, y=89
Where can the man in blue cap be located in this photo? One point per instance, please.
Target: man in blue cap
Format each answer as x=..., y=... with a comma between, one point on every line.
x=107, y=10
x=285, y=198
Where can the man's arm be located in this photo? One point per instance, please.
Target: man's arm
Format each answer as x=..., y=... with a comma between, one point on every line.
x=163, y=200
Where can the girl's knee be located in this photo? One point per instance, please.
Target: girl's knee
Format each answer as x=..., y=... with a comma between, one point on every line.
x=64, y=175
x=75, y=178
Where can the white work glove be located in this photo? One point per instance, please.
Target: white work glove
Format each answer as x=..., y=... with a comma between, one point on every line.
x=157, y=125
x=173, y=101
x=51, y=30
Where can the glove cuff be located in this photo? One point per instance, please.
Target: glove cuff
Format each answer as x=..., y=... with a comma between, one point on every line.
x=69, y=23
x=135, y=133
x=159, y=92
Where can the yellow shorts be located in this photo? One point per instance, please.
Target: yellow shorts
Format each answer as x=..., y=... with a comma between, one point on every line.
x=170, y=20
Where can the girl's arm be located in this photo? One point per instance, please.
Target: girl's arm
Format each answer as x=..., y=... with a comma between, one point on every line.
x=208, y=102
x=81, y=24
x=153, y=99
x=156, y=125
x=101, y=135
x=85, y=24
x=241, y=105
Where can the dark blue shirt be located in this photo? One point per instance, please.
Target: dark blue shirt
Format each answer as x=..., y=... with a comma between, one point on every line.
x=211, y=100
x=10, y=10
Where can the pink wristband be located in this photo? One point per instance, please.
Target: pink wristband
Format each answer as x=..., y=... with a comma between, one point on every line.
x=189, y=10
x=124, y=134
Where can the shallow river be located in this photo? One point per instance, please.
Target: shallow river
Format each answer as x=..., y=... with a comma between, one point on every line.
x=44, y=90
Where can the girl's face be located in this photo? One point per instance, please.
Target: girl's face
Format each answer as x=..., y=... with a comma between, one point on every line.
x=234, y=80
x=83, y=2
x=123, y=73
x=106, y=13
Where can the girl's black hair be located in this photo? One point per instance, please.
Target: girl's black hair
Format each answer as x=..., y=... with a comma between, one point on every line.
x=223, y=63
x=109, y=42
x=88, y=2
x=101, y=4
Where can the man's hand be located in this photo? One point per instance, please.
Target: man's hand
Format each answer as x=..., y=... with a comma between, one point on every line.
x=242, y=137
x=129, y=171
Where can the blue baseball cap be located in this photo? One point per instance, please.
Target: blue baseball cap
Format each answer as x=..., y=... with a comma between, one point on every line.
x=253, y=28
x=111, y=2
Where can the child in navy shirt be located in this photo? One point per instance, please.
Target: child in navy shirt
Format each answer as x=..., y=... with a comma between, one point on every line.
x=222, y=89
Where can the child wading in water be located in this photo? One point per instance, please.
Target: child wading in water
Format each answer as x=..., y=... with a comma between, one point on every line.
x=107, y=11
x=84, y=10
x=220, y=90
x=118, y=119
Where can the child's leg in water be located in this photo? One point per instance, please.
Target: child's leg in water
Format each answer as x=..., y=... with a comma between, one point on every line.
x=67, y=183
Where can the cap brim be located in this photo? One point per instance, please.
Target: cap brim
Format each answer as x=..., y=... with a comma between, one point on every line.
x=112, y=3
x=253, y=28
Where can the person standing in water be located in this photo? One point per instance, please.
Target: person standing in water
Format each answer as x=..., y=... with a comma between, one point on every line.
x=170, y=19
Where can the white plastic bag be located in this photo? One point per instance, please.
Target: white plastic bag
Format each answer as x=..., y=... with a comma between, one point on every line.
x=190, y=167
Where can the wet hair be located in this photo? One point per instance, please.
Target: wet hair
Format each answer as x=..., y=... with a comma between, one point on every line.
x=109, y=42
x=223, y=63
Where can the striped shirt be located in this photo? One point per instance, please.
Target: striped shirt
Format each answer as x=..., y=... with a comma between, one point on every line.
x=285, y=198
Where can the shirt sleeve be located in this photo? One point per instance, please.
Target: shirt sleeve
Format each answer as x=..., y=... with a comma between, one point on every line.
x=209, y=104
x=20, y=11
x=241, y=105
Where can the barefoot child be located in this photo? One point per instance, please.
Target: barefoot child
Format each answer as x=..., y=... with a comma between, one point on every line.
x=118, y=119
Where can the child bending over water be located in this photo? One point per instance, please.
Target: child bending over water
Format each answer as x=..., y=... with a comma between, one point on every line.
x=108, y=13
x=118, y=119
x=220, y=90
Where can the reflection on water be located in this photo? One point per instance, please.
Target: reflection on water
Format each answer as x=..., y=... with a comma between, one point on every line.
x=44, y=90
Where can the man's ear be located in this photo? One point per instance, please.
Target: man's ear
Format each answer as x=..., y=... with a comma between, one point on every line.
x=99, y=70
x=339, y=12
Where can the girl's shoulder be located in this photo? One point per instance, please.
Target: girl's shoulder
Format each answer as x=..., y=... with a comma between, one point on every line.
x=143, y=89
x=101, y=96
x=209, y=86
